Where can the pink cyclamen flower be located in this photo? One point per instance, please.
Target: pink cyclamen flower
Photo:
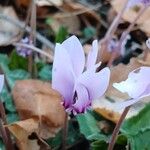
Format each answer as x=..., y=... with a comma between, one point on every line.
x=133, y=3
x=1, y=82
x=69, y=77
x=136, y=86
x=23, y=51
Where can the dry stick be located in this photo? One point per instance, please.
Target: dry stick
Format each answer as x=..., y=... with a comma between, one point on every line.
x=115, y=23
x=111, y=30
x=34, y=49
x=116, y=130
x=4, y=130
x=26, y=20
x=28, y=29
x=32, y=37
x=65, y=132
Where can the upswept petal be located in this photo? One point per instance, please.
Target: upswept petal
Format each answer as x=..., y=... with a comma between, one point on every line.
x=135, y=100
x=1, y=82
x=136, y=83
x=82, y=100
x=92, y=56
x=75, y=50
x=127, y=103
x=95, y=83
x=62, y=75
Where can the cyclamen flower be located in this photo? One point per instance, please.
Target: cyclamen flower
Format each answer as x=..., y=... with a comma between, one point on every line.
x=133, y=3
x=23, y=51
x=136, y=86
x=113, y=45
x=69, y=77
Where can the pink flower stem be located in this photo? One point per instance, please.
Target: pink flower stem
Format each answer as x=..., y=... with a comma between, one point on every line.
x=116, y=130
x=115, y=22
x=65, y=132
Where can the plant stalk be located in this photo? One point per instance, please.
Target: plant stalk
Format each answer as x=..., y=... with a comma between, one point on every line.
x=116, y=130
x=65, y=132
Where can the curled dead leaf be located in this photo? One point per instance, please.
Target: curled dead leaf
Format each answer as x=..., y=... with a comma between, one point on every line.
x=26, y=132
x=70, y=17
x=36, y=99
x=21, y=130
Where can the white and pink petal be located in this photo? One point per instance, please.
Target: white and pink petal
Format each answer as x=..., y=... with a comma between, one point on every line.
x=63, y=75
x=76, y=53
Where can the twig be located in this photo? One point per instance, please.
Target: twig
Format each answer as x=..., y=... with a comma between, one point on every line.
x=115, y=22
x=21, y=25
x=116, y=130
x=31, y=67
x=4, y=131
x=80, y=12
x=65, y=131
x=34, y=49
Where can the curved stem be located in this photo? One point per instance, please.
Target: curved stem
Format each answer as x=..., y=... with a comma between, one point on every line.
x=123, y=36
x=115, y=22
x=34, y=49
x=116, y=130
x=65, y=131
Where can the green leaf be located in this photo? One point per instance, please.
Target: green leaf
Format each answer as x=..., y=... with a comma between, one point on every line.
x=7, y=99
x=4, y=61
x=138, y=123
x=61, y=35
x=121, y=139
x=4, y=94
x=89, y=32
x=137, y=130
x=17, y=62
x=12, y=117
x=72, y=137
x=49, y=20
x=141, y=141
x=9, y=104
x=99, y=145
x=15, y=75
x=88, y=126
x=2, y=146
x=46, y=73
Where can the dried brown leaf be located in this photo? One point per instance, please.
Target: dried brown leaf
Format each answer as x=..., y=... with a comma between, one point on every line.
x=22, y=130
x=9, y=32
x=36, y=99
